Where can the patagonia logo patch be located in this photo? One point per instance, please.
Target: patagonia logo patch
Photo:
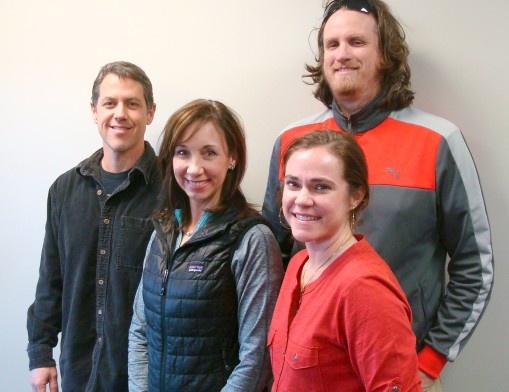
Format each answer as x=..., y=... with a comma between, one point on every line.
x=195, y=266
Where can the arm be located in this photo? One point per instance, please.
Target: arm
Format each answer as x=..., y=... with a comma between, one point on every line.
x=272, y=204
x=375, y=326
x=465, y=232
x=138, y=350
x=44, y=316
x=258, y=273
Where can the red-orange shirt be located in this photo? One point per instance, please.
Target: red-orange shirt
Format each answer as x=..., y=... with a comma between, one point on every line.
x=351, y=331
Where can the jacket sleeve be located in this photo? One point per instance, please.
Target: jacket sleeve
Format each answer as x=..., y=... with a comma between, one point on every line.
x=138, y=348
x=44, y=317
x=465, y=233
x=258, y=272
x=272, y=204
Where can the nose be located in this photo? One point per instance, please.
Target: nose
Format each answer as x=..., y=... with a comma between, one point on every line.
x=304, y=198
x=120, y=111
x=195, y=168
x=343, y=52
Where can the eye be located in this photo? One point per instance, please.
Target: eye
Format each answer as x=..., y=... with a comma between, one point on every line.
x=290, y=184
x=322, y=187
x=210, y=153
x=331, y=45
x=357, y=42
x=180, y=152
x=133, y=104
x=108, y=104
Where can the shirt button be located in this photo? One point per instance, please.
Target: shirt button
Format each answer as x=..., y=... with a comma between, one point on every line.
x=295, y=357
x=102, y=251
x=282, y=352
x=100, y=339
x=99, y=192
x=100, y=281
x=395, y=389
x=106, y=221
x=100, y=311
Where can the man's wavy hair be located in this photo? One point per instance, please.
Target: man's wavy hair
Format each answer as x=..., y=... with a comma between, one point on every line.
x=394, y=65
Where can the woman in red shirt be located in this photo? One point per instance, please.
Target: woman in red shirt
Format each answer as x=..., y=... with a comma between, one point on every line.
x=341, y=322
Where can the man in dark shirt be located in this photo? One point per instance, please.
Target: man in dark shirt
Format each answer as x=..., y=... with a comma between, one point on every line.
x=98, y=226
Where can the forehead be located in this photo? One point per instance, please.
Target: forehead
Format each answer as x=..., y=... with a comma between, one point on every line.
x=113, y=85
x=349, y=22
x=314, y=162
x=205, y=133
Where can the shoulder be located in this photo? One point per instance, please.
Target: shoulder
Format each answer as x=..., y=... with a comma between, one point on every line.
x=412, y=115
x=316, y=118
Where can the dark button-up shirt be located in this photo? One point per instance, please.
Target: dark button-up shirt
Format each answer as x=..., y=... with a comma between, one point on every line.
x=91, y=265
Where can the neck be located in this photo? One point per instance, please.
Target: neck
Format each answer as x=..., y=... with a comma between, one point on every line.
x=349, y=104
x=318, y=252
x=117, y=162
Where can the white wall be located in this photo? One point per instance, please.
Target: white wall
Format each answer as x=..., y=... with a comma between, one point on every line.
x=250, y=55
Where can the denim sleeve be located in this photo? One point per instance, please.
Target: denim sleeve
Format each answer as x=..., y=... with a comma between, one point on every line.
x=258, y=272
x=138, y=350
x=44, y=316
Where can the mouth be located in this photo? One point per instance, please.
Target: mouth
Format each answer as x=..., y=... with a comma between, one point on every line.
x=119, y=128
x=196, y=184
x=306, y=218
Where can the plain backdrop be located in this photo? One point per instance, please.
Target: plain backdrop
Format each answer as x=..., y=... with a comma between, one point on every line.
x=250, y=55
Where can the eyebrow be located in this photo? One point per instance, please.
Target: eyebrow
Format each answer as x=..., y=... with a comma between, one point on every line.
x=313, y=180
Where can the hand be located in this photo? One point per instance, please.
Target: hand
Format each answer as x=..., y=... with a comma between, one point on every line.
x=426, y=381
x=40, y=377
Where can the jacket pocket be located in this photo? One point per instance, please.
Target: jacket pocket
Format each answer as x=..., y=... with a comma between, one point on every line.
x=132, y=242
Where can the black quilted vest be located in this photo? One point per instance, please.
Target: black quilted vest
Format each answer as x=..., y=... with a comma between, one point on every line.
x=191, y=306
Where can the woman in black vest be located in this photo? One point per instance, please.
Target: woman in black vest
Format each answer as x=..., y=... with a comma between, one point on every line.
x=212, y=269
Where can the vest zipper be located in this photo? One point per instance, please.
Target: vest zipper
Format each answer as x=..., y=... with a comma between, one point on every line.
x=165, y=281
x=163, y=330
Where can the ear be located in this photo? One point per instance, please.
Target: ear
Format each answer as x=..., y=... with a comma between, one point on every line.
x=233, y=159
x=150, y=115
x=356, y=198
x=94, y=111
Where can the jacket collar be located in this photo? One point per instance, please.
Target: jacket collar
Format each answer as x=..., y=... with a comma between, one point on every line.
x=362, y=120
x=144, y=165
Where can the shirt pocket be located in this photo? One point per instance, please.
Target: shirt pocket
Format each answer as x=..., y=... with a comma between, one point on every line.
x=302, y=367
x=132, y=242
x=277, y=352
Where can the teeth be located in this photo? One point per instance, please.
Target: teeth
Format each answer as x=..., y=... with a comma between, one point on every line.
x=197, y=183
x=306, y=218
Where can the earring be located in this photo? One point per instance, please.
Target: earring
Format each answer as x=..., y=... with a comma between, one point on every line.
x=231, y=167
x=352, y=221
x=281, y=219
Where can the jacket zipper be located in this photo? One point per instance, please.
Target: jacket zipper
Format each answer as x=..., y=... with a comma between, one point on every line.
x=226, y=366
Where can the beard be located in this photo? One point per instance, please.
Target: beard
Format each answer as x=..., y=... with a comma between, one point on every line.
x=343, y=85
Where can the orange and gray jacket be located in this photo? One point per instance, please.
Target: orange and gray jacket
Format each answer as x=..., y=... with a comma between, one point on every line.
x=426, y=207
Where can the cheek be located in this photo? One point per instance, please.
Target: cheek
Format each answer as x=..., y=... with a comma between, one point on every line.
x=286, y=202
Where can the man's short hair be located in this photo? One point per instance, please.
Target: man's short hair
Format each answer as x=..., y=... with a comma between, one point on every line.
x=394, y=52
x=124, y=69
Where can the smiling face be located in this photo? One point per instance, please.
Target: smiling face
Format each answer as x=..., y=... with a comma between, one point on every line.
x=121, y=116
x=351, y=62
x=200, y=165
x=316, y=198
